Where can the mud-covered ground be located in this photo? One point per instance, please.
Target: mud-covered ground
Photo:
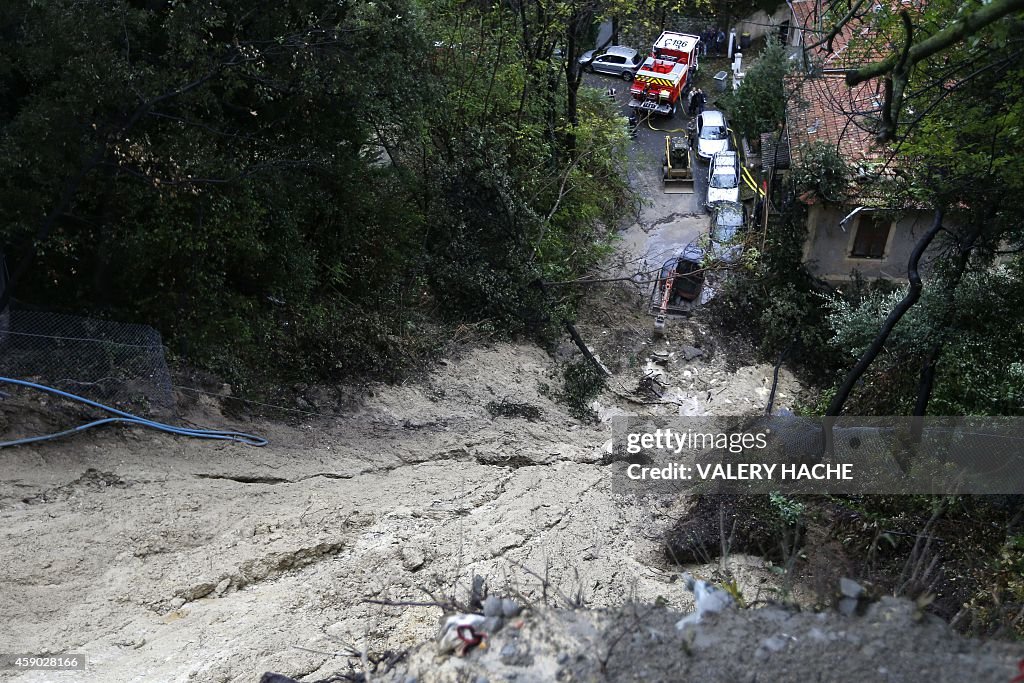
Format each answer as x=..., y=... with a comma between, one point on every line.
x=167, y=559
x=892, y=642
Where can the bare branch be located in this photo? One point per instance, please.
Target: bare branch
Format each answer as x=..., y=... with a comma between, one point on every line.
x=898, y=66
x=837, y=29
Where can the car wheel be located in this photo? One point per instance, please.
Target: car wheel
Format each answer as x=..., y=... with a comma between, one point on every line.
x=627, y=76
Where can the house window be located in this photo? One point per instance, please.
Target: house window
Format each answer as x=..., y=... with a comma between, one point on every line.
x=784, y=38
x=871, y=238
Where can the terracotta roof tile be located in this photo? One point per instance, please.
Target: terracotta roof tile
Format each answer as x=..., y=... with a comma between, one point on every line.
x=857, y=43
x=824, y=108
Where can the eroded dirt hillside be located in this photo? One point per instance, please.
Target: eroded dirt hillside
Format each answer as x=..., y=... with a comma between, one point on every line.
x=170, y=559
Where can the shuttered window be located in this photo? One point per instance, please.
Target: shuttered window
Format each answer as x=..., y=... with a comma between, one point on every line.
x=872, y=235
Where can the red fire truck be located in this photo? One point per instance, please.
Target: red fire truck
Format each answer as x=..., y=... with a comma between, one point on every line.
x=658, y=86
x=662, y=79
x=677, y=47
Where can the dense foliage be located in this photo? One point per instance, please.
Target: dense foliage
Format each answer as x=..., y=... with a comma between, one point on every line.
x=821, y=173
x=980, y=372
x=306, y=189
x=777, y=305
x=954, y=122
x=758, y=105
x=958, y=148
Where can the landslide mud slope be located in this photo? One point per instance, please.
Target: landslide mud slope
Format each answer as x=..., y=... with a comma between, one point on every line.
x=172, y=560
x=168, y=559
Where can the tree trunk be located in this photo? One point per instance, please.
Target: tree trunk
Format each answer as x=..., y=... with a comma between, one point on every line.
x=570, y=327
x=927, y=377
x=573, y=78
x=926, y=380
x=582, y=346
x=897, y=313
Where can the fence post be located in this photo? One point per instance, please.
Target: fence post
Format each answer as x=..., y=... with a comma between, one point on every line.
x=5, y=311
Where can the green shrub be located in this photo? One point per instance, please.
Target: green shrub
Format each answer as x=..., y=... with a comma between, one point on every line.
x=583, y=383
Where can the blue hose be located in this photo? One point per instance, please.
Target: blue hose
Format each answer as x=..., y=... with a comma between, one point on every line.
x=123, y=418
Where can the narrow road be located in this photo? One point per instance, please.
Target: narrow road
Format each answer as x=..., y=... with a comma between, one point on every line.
x=666, y=222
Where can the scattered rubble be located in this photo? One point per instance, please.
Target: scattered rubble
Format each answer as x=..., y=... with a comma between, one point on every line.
x=852, y=596
x=707, y=599
x=893, y=641
x=690, y=352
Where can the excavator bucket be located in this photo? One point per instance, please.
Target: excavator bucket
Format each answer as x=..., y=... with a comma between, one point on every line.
x=677, y=170
x=676, y=186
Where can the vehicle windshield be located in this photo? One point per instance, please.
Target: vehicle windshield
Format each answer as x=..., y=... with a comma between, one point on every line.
x=723, y=179
x=713, y=133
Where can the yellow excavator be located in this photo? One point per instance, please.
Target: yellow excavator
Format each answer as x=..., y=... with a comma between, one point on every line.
x=677, y=171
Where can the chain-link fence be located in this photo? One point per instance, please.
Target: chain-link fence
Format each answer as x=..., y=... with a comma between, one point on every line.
x=118, y=364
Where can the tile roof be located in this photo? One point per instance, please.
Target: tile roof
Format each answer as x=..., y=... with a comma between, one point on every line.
x=856, y=44
x=823, y=108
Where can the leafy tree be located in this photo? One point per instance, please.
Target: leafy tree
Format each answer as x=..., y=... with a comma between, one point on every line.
x=527, y=189
x=906, y=41
x=189, y=161
x=977, y=374
x=949, y=98
x=955, y=119
x=302, y=191
x=759, y=104
x=820, y=173
x=776, y=306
